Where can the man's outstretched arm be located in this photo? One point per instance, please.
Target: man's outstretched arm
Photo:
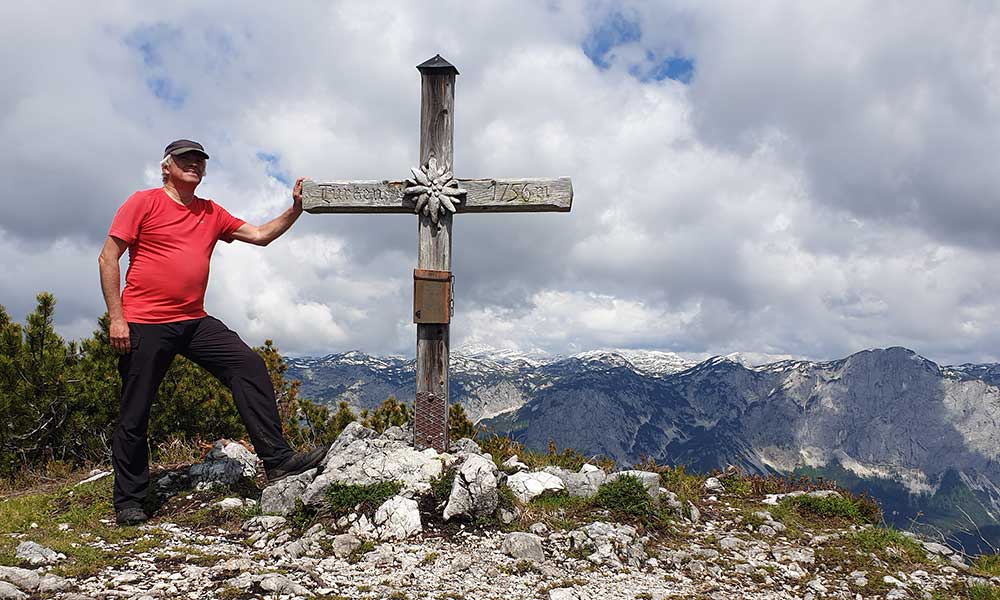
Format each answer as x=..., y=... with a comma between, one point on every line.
x=265, y=234
x=111, y=281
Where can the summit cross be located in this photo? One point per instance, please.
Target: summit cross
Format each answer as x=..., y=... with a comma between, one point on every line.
x=434, y=194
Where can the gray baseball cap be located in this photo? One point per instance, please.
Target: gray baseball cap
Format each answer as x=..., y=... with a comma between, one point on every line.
x=181, y=146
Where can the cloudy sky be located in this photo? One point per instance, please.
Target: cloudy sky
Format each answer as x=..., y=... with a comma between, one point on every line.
x=804, y=178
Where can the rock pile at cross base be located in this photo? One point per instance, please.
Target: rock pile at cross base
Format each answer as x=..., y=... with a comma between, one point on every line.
x=412, y=546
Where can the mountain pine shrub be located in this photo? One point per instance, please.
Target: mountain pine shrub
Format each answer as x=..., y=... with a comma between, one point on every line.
x=391, y=413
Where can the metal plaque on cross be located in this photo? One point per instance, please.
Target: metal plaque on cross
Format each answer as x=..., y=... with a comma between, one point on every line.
x=433, y=193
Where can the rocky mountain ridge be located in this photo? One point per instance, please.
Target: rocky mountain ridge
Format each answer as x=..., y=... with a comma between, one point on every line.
x=890, y=419
x=463, y=525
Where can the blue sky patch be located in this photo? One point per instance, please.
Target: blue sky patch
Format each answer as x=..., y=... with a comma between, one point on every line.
x=613, y=31
x=678, y=68
x=272, y=166
x=149, y=41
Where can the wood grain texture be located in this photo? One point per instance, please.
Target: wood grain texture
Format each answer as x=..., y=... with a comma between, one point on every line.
x=437, y=103
x=484, y=195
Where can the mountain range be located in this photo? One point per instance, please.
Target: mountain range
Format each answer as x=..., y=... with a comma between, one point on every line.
x=922, y=438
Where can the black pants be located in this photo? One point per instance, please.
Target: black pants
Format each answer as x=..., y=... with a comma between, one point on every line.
x=209, y=343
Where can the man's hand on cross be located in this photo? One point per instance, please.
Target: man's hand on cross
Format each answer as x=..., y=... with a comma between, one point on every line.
x=297, y=194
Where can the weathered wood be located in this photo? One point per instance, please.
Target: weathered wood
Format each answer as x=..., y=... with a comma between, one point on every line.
x=484, y=195
x=437, y=125
x=439, y=197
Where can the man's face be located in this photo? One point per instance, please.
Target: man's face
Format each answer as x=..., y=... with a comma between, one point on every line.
x=188, y=168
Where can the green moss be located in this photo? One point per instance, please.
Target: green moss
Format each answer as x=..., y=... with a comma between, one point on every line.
x=342, y=498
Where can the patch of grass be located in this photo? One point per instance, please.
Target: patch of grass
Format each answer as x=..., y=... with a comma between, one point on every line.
x=398, y=596
x=358, y=553
x=342, y=498
x=837, y=509
x=983, y=592
x=987, y=564
x=501, y=448
x=86, y=510
x=429, y=558
x=301, y=517
x=441, y=486
x=521, y=567
x=880, y=539
x=686, y=486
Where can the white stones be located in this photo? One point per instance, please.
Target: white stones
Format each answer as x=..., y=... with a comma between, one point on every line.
x=793, y=554
x=693, y=513
x=474, y=491
x=583, y=483
x=279, y=498
x=9, y=592
x=936, y=548
x=226, y=463
x=367, y=460
x=345, y=544
x=234, y=503
x=528, y=485
x=565, y=593
x=24, y=579
x=714, y=486
x=611, y=544
x=523, y=546
x=283, y=585
x=513, y=465
x=731, y=543
x=36, y=554
x=397, y=519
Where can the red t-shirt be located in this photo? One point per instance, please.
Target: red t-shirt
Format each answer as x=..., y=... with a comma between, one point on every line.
x=169, y=249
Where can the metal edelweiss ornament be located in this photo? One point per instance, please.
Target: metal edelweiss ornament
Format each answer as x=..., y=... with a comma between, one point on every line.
x=435, y=188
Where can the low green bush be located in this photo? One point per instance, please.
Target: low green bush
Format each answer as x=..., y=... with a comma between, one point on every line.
x=343, y=498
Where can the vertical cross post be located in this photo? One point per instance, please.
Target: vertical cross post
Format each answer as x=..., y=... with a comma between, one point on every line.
x=437, y=127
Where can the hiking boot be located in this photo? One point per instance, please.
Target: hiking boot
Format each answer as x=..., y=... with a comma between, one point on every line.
x=132, y=515
x=299, y=463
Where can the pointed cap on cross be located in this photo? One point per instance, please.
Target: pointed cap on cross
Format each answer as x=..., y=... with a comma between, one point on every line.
x=437, y=66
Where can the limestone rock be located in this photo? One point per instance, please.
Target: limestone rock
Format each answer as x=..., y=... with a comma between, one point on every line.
x=528, y=485
x=344, y=544
x=283, y=585
x=583, y=483
x=368, y=460
x=279, y=498
x=353, y=432
x=714, y=486
x=52, y=583
x=25, y=579
x=226, y=463
x=464, y=445
x=514, y=465
x=397, y=519
x=610, y=544
x=36, y=554
x=474, y=491
x=523, y=546
x=9, y=592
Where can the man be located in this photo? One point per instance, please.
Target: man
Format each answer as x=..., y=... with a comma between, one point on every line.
x=170, y=234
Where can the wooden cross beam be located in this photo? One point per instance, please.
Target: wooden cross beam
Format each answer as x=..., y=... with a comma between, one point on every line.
x=435, y=195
